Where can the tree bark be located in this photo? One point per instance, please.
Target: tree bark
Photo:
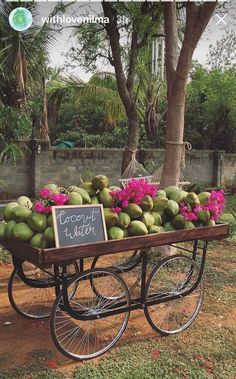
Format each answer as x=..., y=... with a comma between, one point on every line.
x=125, y=86
x=133, y=139
x=177, y=70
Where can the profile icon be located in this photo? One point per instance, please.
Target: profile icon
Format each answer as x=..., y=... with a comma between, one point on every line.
x=20, y=19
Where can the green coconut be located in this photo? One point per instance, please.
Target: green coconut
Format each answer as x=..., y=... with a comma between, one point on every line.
x=8, y=229
x=53, y=187
x=94, y=200
x=137, y=228
x=172, y=208
x=22, y=232
x=123, y=220
x=178, y=196
x=179, y=221
x=115, y=233
x=160, y=204
x=168, y=227
x=147, y=218
x=133, y=210
x=88, y=187
x=105, y=198
x=7, y=211
x=20, y=213
x=157, y=218
x=25, y=202
x=111, y=218
x=210, y=223
x=171, y=190
x=161, y=193
x=189, y=225
x=204, y=197
x=192, y=199
x=146, y=203
x=75, y=199
x=154, y=229
x=99, y=182
x=37, y=221
x=2, y=229
x=50, y=220
x=49, y=236
x=39, y=241
x=203, y=216
x=83, y=193
x=126, y=233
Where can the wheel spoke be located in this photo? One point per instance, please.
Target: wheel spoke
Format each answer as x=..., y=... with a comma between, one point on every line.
x=91, y=336
x=176, y=275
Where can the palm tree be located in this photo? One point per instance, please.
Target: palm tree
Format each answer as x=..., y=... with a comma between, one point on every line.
x=23, y=72
x=101, y=86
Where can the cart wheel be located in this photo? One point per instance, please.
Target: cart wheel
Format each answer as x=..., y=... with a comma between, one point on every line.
x=95, y=327
x=31, y=291
x=174, y=275
x=121, y=263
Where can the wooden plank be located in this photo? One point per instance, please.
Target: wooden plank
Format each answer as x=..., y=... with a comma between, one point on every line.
x=23, y=251
x=132, y=243
x=66, y=254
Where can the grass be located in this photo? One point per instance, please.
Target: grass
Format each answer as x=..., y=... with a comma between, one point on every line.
x=36, y=368
x=206, y=350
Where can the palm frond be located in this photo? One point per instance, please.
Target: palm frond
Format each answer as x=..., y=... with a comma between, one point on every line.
x=100, y=87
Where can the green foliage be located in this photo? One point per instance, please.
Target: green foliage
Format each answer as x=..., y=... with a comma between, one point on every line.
x=210, y=121
x=229, y=215
x=14, y=123
x=115, y=139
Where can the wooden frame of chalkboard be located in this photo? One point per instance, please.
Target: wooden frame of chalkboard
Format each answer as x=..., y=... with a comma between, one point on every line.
x=85, y=225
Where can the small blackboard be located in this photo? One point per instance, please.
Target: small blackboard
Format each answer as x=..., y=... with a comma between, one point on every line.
x=78, y=224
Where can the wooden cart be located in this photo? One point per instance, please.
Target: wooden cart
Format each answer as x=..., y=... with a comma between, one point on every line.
x=89, y=308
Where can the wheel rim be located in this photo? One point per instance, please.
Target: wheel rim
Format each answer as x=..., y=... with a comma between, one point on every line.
x=126, y=264
x=175, y=276
x=34, y=302
x=31, y=302
x=86, y=339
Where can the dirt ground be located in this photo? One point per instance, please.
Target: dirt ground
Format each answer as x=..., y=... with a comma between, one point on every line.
x=20, y=336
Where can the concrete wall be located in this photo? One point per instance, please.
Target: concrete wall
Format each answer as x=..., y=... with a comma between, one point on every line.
x=66, y=166
x=228, y=169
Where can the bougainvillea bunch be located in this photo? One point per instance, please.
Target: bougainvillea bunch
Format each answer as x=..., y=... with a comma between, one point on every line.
x=215, y=205
x=134, y=192
x=47, y=199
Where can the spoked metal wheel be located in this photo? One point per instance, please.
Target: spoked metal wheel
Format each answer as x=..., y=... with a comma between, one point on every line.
x=31, y=290
x=90, y=324
x=127, y=264
x=176, y=275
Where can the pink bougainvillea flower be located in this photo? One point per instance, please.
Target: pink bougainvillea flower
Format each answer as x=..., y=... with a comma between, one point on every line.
x=198, y=356
x=156, y=353
x=51, y=364
x=134, y=192
x=59, y=199
x=198, y=208
x=45, y=193
x=214, y=205
x=41, y=208
x=116, y=209
x=124, y=203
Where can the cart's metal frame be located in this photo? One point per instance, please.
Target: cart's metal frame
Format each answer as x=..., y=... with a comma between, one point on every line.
x=60, y=258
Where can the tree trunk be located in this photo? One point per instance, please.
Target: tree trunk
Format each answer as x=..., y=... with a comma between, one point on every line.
x=133, y=139
x=175, y=132
x=177, y=70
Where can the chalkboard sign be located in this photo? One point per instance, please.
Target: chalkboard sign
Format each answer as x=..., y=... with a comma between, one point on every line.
x=78, y=224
